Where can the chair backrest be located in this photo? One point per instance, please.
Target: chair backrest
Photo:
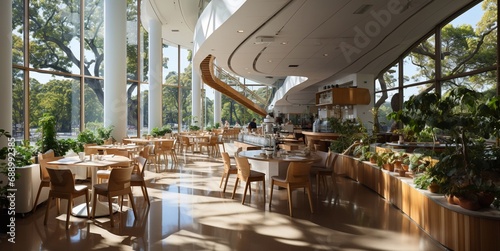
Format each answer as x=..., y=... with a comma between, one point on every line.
x=167, y=145
x=44, y=175
x=119, y=179
x=226, y=160
x=324, y=158
x=119, y=152
x=332, y=160
x=213, y=140
x=145, y=151
x=88, y=150
x=298, y=172
x=48, y=154
x=61, y=180
x=243, y=167
x=141, y=163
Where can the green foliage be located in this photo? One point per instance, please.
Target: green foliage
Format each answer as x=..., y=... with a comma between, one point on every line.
x=194, y=128
x=217, y=125
x=468, y=165
x=158, y=132
x=24, y=154
x=104, y=133
x=66, y=144
x=49, y=134
x=350, y=131
x=4, y=155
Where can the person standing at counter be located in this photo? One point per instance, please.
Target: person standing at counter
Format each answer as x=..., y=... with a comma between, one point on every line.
x=252, y=125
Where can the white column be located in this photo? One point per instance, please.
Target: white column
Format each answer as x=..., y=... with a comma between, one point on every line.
x=115, y=68
x=217, y=107
x=196, y=95
x=6, y=68
x=155, y=72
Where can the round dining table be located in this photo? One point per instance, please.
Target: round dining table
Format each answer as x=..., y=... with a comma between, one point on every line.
x=70, y=162
x=275, y=166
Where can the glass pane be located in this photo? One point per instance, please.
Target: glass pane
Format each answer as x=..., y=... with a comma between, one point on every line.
x=132, y=53
x=390, y=79
x=419, y=65
x=469, y=41
x=415, y=90
x=54, y=35
x=143, y=56
x=94, y=102
x=18, y=32
x=94, y=38
x=18, y=104
x=132, y=104
x=385, y=108
x=57, y=96
x=480, y=82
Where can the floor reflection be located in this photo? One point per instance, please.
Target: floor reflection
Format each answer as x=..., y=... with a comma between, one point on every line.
x=188, y=211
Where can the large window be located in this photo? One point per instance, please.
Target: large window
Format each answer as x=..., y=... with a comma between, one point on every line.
x=468, y=57
x=63, y=72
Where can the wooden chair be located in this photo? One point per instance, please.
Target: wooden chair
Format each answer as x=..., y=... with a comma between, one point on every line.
x=247, y=175
x=149, y=154
x=186, y=143
x=44, y=175
x=211, y=146
x=165, y=149
x=104, y=174
x=297, y=176
x=118, y=185
x=220, y=142
x=228, y=169
x=328, y=170
x=62, y=186
x=137, y=179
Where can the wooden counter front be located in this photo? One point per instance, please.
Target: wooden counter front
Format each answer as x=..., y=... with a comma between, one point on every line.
x=316, y=137
x=454, y=227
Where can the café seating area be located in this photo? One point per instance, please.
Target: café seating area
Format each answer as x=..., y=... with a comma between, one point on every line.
x=186, y=207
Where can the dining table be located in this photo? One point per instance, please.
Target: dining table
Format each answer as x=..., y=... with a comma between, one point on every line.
x=273, y=165
x=94, y=162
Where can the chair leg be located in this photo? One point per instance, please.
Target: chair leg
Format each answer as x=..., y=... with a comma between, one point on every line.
x=94, y=201
x=235, y=185
x=47, y=210
x=37, y=197
x=131, y=199
x=68, y=211
x=289, y=191
x=271, y=195
x=264, y=189
x=222, y=179
x=308, y=188
x=245, y=193
x=225, y=183
x=110, y=210
x=145, y=193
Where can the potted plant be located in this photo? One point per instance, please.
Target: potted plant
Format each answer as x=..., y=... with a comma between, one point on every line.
x=468, y=117
x=161, y=131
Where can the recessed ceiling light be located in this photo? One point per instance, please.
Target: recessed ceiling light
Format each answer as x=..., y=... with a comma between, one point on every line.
x=325, y=55
x=240, y=31
x=269, y=77
x=293, y=65
x=269, y=61
x=175, y=30
x=283, y=43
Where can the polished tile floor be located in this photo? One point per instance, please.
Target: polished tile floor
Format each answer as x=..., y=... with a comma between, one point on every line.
x=189, y=212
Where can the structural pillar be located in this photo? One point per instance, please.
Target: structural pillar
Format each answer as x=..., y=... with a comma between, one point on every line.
x=6, y=68
x=196, y=97
x=155, y=75
x=115, y=67
x=217, y=108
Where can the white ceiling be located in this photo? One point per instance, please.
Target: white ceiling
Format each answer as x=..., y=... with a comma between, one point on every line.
x=308, y=33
